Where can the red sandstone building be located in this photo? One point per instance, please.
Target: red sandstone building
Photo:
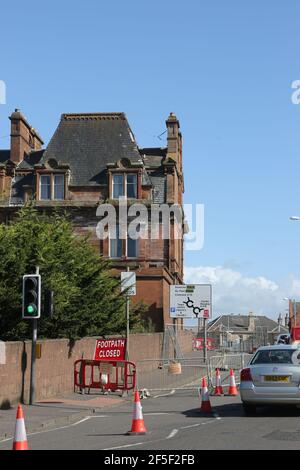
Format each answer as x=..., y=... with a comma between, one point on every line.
x=93, y=158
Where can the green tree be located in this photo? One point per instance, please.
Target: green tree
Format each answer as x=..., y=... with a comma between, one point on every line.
x=87, y=299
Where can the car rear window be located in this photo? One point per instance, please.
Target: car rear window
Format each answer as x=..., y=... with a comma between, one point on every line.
x=274, y=356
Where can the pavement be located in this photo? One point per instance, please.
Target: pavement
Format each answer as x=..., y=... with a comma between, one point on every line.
x=57, y=412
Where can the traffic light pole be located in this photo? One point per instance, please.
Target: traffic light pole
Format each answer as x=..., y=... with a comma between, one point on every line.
x=33, y=357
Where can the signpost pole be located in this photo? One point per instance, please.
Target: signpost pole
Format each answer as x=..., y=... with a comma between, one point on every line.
x=205, y=340
x=127, y=324
x=127, y=327
x=33, y=357
x=128, y=286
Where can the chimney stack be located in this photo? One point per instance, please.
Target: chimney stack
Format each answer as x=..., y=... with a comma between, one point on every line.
x=23, y=137
x=251, y=326
x=173, y=162
x=174, y=140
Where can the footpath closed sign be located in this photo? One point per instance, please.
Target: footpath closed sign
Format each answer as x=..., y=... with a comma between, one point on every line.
x=112, y=349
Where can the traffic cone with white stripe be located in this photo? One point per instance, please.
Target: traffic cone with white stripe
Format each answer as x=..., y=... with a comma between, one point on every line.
x=218, y=388
x=20, y=438
x=205, y=404
x=138, y=425
x=232, y=391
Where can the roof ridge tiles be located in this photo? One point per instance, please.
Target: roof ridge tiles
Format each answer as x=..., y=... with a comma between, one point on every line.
x=91, y=116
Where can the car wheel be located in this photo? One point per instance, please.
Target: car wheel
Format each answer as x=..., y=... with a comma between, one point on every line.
x=249, y=410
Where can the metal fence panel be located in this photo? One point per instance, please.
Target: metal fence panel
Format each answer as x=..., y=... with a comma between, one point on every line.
x=156, y=374
x=225, y=362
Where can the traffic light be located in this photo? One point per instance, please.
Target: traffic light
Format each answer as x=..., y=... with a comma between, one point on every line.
x=31, y=307
x=48, y=310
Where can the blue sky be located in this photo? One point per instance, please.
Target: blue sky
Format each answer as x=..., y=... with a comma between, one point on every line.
x=225, y=68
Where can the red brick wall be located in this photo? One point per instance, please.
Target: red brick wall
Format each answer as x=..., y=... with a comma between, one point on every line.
x=54, y=370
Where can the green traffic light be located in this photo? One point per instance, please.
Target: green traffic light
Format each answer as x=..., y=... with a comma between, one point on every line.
x=30, y=309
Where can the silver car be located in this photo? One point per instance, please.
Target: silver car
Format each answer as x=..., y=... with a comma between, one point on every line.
x=271, y=378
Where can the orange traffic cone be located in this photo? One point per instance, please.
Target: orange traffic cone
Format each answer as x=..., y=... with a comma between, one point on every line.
x=232, y=391
x=20, y=438
x=218, y=388
x=138, y=426
x=205, y=404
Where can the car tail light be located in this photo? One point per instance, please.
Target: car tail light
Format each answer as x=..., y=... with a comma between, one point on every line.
x=246, y=375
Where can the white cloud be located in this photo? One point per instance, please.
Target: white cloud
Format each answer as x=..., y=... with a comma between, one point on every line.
x=235, y=293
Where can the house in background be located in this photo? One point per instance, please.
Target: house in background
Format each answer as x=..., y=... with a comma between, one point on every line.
x=244, y=332
x=93, y=158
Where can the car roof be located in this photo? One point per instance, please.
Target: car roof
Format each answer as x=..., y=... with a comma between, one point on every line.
x=279, y=346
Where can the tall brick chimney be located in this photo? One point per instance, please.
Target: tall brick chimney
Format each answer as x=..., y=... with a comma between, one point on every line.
x=173, y=169
x=174, y=140
x=23, y=138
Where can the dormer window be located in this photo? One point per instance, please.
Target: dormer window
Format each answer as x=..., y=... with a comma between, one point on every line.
x=124, y=185
x=131, y=186
x=52, y=187
x=45, y=187
x=59, y=186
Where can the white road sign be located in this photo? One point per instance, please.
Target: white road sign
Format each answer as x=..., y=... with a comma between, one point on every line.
x=128, y=280
x=190, y=301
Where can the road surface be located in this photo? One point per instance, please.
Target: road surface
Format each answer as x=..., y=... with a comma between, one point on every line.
x=174, y=421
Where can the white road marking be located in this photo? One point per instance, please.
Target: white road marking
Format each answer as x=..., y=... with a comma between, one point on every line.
x=191, y=426
x=57, y=429
x=99, y=416
x=157, y=414
x=172, y=434
x=166, y=394
x=128, y=445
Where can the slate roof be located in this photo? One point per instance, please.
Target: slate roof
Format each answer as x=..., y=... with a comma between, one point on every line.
x=17, y=187
x=4, y=156
x=31, y=159
x=88, y=142
x=241, y=322
x=153, y=157
x=159, y=188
